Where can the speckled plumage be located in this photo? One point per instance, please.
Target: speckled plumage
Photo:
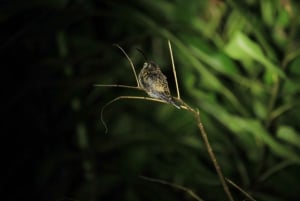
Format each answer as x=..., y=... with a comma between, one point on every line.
x=154, y=82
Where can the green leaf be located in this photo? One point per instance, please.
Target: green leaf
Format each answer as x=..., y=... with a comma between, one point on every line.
x=268, y=11
x=289, y=135
x=224, y=64
x=245, y=126
x=242, y=48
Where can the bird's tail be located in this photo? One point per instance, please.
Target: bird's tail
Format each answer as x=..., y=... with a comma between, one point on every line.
x=174, y=103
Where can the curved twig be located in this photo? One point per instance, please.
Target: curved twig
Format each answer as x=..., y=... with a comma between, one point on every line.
x=125, y=97
x=240, y=189
x=117, y=85
x=183, y=105
x=182, y=188
x=131, y=64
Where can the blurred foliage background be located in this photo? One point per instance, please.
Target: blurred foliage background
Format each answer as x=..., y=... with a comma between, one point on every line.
x=237, y=61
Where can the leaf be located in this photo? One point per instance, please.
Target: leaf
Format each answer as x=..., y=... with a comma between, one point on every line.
x=242, y=48
x=268, y=12
x=257, y=130
x=224, y=64
x=289, y=135
x=245, y=126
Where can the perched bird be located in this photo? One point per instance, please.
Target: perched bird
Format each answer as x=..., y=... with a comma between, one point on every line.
x=154, y=82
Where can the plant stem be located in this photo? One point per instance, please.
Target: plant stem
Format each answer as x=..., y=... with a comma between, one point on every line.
x=182, y=188
x=212, y=155
x=209, y=148
x=240, y=189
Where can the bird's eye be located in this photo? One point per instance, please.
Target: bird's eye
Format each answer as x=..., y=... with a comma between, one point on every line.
x=152, y=65
x=145, y=65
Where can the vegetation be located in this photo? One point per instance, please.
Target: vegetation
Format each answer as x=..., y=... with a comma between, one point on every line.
x=236, y=62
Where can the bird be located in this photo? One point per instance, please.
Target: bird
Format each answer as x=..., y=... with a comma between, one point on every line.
x=155, y=84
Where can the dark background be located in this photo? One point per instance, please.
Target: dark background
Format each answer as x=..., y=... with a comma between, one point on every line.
x=55, y=147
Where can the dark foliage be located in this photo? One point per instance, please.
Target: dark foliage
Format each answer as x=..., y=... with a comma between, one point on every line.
x=237, y=61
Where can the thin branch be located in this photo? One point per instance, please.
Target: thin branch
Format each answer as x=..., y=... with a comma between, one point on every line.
x=209, y=148
x=202, y=131
x=240, y=189
x=275, y=169
x=182, y=188
x=117, y=85
x=212, y=156
x=125, y=97
x=184, y=106
x=174, y=69
x=131, y=64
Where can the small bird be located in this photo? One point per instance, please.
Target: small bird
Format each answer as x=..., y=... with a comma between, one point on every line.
x=154, y=82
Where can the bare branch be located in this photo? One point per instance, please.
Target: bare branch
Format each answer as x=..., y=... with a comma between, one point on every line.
x=174, y=70
x=240, y=189
x=182, y=188
x=131, y=64
x=117, y=85
x=125, y=97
